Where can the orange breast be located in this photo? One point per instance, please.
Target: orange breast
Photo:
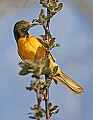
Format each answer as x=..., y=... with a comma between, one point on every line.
x=25, y=50
x=28, y=47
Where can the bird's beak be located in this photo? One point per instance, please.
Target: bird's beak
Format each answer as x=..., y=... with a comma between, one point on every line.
x=32, y=25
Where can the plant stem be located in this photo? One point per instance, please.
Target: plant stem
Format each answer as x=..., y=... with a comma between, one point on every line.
x=38, y=98
x=47, y=25
x=46, y=77
x=47, y=100
x=48, y=22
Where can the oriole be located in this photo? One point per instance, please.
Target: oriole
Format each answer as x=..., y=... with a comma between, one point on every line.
x=29, y=47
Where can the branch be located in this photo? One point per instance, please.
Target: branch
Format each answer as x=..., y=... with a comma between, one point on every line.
x=38, y=99
x=46, y=76
x=47, y=100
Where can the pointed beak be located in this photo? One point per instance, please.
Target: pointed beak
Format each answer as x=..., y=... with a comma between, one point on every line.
x=32, y=25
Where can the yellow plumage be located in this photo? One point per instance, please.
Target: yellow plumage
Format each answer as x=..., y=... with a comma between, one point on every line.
x=29, y=47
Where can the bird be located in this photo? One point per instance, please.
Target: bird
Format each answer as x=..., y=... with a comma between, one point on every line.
x=29, y=46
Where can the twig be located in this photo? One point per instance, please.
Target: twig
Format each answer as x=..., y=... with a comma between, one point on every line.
x=38, y=98
x=47, y=25
x=48, y=22
x=46, y=77
x=47, y=100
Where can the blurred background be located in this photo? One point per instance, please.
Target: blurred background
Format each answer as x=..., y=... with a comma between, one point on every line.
x=73, y=28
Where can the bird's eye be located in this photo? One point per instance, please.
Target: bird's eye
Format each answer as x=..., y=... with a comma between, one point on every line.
x=24, y=29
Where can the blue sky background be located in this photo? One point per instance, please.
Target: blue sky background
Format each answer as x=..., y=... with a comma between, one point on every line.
x=73, y=28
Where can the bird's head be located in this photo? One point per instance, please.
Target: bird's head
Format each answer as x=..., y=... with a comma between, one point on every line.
x=21, y=29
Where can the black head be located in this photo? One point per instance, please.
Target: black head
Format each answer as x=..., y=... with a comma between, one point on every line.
x=21, y=29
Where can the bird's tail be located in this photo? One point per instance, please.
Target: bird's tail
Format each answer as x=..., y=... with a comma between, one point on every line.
x=69, y=83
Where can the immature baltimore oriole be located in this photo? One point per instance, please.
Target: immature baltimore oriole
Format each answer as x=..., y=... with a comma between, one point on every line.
x=29, y=47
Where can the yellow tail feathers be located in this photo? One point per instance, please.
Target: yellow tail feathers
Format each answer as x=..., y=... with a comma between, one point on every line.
x=69, y=83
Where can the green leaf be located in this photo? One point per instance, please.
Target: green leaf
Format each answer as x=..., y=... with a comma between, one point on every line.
x=57, y=9
x=25, y=69
x=34, y=107
x=55, y=112
x=49, y=35
x=29, y=88
x=50, y=8
x=23, y=65
x=40, y=21
x=30, y=70
x=41, y=1
x=47, y=71
x=47, y=18
x=55, y=69
x=23, y=72
x=54, y=108
x=57, y=45
x=32, y=117
x=32, y=84
x=44, y=3
x=38, y=114
x=43, y=112
x=53, y=3
x=52, y=41
x=46, y=45
x=60, y=5
x=50, y=105
x=43, y=16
